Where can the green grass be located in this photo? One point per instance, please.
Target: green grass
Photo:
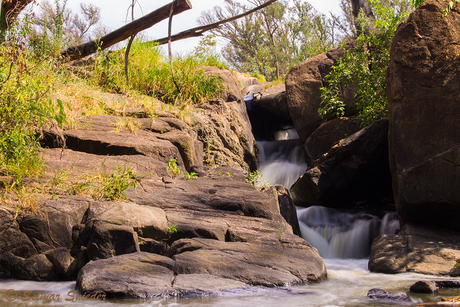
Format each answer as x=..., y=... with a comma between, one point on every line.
x=150, y=74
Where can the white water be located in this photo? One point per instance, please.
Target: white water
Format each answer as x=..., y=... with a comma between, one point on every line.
x=341, y=234
x=347, y=285
x=281, y=162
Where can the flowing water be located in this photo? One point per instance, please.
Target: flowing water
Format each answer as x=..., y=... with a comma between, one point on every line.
x=335, y=233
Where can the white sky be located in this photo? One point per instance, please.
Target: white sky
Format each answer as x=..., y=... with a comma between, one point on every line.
x=114, y=15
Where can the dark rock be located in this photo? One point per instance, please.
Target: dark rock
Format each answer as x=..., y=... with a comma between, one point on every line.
x=424, y=286
x=37, y=268
x=13, y=240
x=268, y=110
x=108, y=240
x=423, y=98
x=61, y=260
x=353, y=172
x=287, y=208
x=447, y=284
x=388, y=297
x=420, y=249
x=153, y=246
x=303, y=84
x=329, y=134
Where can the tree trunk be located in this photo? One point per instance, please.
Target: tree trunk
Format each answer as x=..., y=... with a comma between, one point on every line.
x=80, y=51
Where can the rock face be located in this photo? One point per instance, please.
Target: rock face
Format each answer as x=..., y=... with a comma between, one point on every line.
x=225, y=130
x=354, y=173
x=171, y=236
x=303, y=84
x=416, y=249
x=424, y=104
x=327, y=135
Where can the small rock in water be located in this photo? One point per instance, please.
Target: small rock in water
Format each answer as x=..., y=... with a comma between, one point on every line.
x=424, y=286
x=447, y=284
x=381, y=295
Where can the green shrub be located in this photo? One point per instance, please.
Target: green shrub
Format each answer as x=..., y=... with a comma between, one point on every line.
x=365, y=67
x=25, y=108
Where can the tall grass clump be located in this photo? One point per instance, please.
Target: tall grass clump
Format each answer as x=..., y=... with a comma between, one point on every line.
x=25, y=107
x=150, y=74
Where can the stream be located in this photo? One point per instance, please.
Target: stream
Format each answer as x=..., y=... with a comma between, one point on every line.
x=342, y=237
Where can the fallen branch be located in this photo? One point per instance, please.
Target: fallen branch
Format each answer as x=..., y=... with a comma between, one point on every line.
x=80, y=51
x=198, y=31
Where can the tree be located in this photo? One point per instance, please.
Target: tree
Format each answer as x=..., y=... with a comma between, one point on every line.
x=57, y=27
x=270, y=41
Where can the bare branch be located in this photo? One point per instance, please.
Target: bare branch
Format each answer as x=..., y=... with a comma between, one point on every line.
x=198, y=31
x=77, y=52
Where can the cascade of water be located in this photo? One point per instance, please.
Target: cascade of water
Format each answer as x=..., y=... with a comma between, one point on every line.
x=283, y=161
x=340, y=234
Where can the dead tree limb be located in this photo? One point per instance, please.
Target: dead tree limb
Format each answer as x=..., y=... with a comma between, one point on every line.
x=80, y=51
x=198, y=31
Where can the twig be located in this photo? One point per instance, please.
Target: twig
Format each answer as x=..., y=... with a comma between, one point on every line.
x=169, y=47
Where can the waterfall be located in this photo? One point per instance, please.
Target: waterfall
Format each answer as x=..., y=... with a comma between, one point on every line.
x=282, y=161
x=341, y=234
x=335, y=233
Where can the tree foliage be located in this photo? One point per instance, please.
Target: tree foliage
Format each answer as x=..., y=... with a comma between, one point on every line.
x=365, y=66
x=269, y=42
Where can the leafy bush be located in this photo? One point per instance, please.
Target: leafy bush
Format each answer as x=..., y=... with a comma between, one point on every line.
x=25, y=107
x=365, y=67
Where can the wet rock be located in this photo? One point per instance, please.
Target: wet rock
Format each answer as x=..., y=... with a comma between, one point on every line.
x=420, y=249
x=423, y=106
x=267, y=110
x=287, y=208
x=153, y=246
x=354, y=173
x=424, y=286
x=383, y=296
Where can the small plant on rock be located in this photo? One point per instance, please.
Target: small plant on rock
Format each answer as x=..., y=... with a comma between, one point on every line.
x=172, y=230
x=173, y=168
x=191, y=175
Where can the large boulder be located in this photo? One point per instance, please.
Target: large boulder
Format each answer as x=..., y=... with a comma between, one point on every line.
x=424, y=103
x=419, y=249
x=303, y=91
x=353, y=173
x=329, y=134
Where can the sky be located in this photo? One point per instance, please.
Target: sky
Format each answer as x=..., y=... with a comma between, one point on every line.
x=114, y=15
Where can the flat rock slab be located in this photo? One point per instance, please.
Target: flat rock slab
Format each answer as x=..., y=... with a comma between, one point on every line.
x=416, y=249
